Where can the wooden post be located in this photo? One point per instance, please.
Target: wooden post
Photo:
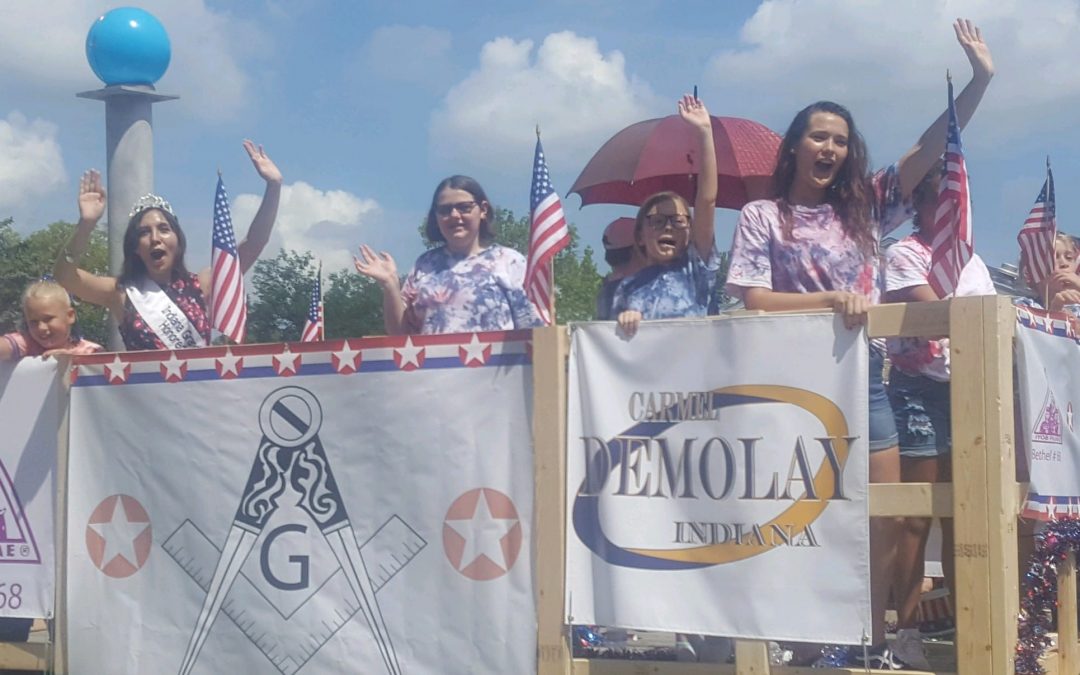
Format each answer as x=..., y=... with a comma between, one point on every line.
x=60, y=629
x=550, y=350
x=984, y=484
x=751, y=657
x=1068, y=649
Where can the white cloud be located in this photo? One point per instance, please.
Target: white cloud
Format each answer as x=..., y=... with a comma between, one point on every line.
x=578, y=96
x=43, y=44
x=329, y=223
x=31, y=164
x=410, y=54
x=886, y=60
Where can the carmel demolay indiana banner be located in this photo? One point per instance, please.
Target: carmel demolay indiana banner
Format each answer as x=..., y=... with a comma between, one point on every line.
x=31, y=404
x=1047, y=359
x=358, y=506
x=706, y=462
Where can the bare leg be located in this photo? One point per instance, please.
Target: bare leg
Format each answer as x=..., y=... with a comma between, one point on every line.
x=911, y=540
x=884, y=468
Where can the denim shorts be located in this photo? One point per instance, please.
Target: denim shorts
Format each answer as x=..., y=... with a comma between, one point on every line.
x=923, y=415
x=882, y=423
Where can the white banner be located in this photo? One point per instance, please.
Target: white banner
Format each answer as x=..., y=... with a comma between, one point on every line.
x=701, y=492
x=1047, y=360
x=341, y=507
x=31, y=400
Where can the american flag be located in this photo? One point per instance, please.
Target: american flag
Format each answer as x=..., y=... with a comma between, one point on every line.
x=1036, y=237
x=314, y=328
x=228, y=303
x=953, y=246
x=549, y=235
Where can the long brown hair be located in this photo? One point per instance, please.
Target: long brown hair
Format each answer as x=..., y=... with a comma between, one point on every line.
x=850, y=195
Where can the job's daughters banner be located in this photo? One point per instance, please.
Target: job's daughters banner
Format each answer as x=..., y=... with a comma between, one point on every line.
x=360, y=506
x=31, y=403
x=1047, y=360
x=717, y=478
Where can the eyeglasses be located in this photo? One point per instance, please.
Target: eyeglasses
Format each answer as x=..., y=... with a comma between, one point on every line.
x=464, y=208
x=658, y=221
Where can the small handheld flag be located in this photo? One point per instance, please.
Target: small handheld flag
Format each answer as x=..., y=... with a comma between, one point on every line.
x=549, y=235
x=953, y=245
x=314, y=328
x=1037, y=235
x=228, y=303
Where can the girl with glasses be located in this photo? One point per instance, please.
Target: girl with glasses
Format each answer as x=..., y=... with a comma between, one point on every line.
x=681, y=261
x=467, y=284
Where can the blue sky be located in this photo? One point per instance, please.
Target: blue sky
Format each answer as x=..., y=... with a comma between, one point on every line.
x=365, y=106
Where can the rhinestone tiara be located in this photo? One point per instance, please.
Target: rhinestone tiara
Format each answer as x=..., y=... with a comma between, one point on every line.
x=150, y=201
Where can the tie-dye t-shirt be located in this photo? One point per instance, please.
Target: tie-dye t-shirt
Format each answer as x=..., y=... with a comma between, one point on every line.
x=907, y=264
x=818, y=255
x=682, y=288
x=448, y=293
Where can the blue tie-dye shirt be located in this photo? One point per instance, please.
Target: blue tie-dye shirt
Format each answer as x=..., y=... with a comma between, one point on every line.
x=684, y=287
x=448, y=293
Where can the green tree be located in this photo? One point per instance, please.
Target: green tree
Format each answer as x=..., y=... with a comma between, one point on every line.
x=353, y=305
x=25, y=259
x=281, y=294
x=277, y=309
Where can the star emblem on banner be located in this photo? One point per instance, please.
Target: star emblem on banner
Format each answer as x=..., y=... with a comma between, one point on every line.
x=482, y=534
x=287, y=363
x=229, y=365
x=117, y=371
x=408, y=356
x=119, y=536
x=173, y=369
x=475, y=353
x=346, y=360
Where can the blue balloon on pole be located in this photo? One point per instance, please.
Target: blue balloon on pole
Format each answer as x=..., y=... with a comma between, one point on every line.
x=128, y=45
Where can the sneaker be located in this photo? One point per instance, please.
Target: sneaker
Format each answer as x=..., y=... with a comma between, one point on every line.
x=878, y=657
x=908, y=647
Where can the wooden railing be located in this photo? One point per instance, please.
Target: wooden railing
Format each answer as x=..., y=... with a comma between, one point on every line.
x=983, y=499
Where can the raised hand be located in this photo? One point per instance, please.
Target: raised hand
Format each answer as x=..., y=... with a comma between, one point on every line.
x=978, y=52
x=91, y=197
x=263, y=164
x=694, y=112
x=378, y=266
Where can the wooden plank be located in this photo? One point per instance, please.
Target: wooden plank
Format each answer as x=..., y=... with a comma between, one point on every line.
x=911, y=499
x=24, y=656
x=999, y=325
x=916, y=319
x=621, y=667
x=550, y=349
x=751, y=657
x=974, y=652
x=1068, y=648
x=627, y=667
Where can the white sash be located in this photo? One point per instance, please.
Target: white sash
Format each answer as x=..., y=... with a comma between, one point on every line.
x=164, y=318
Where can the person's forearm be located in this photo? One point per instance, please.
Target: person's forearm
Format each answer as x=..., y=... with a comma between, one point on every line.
x=393, y=309
x=67, y=262
x=776, y=301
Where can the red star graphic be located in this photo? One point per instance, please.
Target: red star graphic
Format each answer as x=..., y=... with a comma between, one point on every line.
x=346, y=360
x=287, y=363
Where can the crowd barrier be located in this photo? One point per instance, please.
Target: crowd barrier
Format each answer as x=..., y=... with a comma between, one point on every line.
x=983, y=499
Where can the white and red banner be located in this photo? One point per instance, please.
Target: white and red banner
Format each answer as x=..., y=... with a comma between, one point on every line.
x=1047, y=360
x=716, y=478
x=346, y=506
x=31, y=405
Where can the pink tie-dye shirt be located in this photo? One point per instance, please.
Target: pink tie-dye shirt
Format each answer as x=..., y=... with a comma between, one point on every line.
x=818, y=256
